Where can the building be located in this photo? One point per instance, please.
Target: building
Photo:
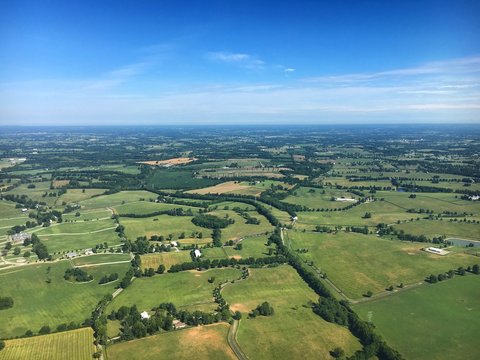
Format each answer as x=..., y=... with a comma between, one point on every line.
x=145, y=315
x=437, y=251
x=197, y=253
x=177, y=324
x=71, y=254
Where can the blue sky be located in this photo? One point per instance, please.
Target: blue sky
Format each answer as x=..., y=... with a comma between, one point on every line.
x=228, y=62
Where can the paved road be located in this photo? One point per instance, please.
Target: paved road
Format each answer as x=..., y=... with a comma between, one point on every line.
x=232, y=341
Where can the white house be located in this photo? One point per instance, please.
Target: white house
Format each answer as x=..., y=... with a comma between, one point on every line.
x=145, y=315
x=197, y=253
x=174, y=243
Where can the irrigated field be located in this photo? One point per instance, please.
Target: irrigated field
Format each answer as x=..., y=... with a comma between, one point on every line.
x=438, y=321
x=42, y=297
x=294, y=331
x=205, y=342
x=73, y=345
x=357, y=263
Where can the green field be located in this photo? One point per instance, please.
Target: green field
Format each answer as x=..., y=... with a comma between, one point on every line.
x=78, y=235
x=164, y=225
x=252, y=246
x=319, y=198
x=204, y=342
x=38, y=303
x=357, y=263
x=186, y=289
x=240, y=228
x=76, y=195
x=99, y=259
x=73, y=345
x=294, y=331
x=147, y=207
x=439, y=321
x=434, y=228
x=117, y=199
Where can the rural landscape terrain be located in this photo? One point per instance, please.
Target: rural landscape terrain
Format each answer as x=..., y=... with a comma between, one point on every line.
x=242, y=242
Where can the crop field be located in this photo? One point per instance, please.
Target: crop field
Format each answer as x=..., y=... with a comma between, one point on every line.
x=164, y=225
x=432, y=228
x=320, y=198
x=206, y=342
x=188, y=289
x=438, y=321
x=42, y=296
x=292, y=323
x=73, y=345
x=166, y=258
x=239, y=187
x=358, y=263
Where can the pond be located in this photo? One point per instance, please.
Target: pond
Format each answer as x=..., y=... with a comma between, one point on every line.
x=464, y=242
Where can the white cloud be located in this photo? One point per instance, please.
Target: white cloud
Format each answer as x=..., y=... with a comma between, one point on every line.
x=239, y=59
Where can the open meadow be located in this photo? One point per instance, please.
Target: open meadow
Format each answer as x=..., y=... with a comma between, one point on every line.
x=436, y=322
x=205, y=342
x=43, y=297
x=293, y=321
x=358, y=263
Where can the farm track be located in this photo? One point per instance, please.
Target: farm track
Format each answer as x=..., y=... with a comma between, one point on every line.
x=232, y=341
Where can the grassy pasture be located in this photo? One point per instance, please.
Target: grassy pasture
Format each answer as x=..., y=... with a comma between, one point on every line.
x=78, y=235
x=76, y=195
x=240, y=228
x=240, y=187
x=357, y=263
x=187, y=289
x=165, y=225
x=439, y=321
x=116, y=199
x=252, y=246
x=167, y=259
x=87, y=215
x=431, y=228
x=99, y=259
x=73, y=345
x=317, y=199
x=272, y=337
x=204, y=342
x=8, y=210
x=38, y=303
x=147, y=207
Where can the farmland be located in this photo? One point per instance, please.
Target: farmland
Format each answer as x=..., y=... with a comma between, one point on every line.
x=73, y=344
x=283, y=288
x=427, y=328
x=93, y=233
x=208, y=342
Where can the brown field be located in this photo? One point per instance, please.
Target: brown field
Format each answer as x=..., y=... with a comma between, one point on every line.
x=167, y=258
x=299, y=158
x=60, y=183
x=225, y=187
x=169, y=162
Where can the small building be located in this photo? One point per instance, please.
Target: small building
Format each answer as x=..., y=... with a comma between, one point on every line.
x=20, y=237
x=437, y=251
x=197, y=253
x=145, y=315
x=24, y=210
x=88, y=252
x=71, y=254
x=177, y=324
x=174, y=243
x=294, y=218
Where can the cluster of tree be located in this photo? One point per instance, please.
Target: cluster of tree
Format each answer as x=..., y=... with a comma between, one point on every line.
x=38, y=247
x=433, y=279
x=133, y=326
x=358, y=229
x=211, y=221
x=108, y=278
x=264, y=309
x=249, y=219
x=219, y=263
x=218, y=298
x=21, y=200
x=6, y=302
x=217, y=237
x=77, y=274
